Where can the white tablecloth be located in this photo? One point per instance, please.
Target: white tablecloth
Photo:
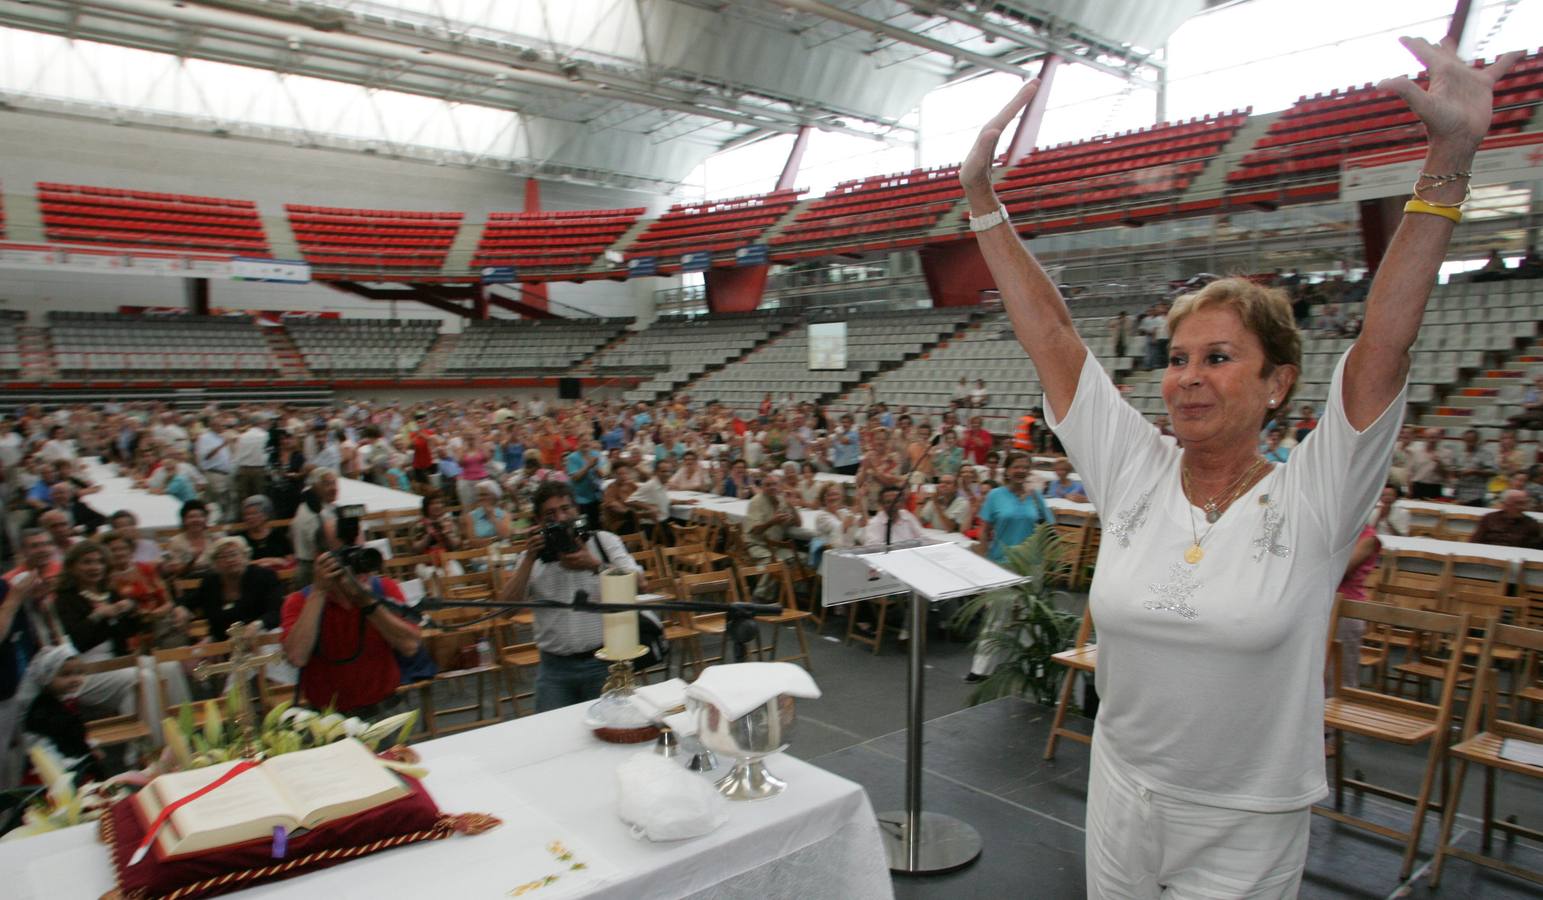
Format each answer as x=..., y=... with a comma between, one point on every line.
x=162, y=510
x=1427, y=507
x=548, y=779
x=736, y=510
x=1513, y=555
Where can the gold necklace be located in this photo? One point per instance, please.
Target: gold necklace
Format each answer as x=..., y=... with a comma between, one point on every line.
x=1213, y=508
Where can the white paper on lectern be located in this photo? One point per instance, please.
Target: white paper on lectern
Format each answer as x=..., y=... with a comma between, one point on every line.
x=980, y=571
x=941, y=571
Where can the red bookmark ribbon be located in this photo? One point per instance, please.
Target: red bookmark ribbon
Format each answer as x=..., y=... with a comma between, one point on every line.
x=166, y=811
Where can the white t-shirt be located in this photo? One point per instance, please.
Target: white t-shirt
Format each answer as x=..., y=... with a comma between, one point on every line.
x=1211, y=675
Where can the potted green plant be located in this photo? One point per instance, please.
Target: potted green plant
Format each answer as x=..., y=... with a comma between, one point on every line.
x=1025, y=624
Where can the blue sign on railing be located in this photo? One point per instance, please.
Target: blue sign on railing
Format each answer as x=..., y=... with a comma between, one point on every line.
x=751, y=255
x=696, y=261
x=639, y=266
x=497, y=274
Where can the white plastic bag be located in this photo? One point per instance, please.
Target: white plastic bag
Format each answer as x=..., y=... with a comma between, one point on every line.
x=663, y=801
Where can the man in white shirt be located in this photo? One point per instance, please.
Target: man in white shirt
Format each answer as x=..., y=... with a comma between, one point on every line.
x=211, y=453
x=947, y=510
x=251, y=461
x=891, y=524
x=314, y=531
x=655, y=494
x=170, y=433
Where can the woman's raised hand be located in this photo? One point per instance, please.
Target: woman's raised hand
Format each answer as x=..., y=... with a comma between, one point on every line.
x=975, y=171
x=1456, y=106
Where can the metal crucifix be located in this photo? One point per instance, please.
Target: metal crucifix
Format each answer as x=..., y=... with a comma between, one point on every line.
x=240, y=662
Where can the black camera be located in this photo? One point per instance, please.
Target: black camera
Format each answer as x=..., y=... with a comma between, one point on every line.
x=562, y=538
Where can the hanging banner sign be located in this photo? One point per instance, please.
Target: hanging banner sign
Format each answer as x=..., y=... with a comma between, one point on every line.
x=696, y=261
x=1506, y=159
x=640, y=266
x=751, y=255
x=277, y=271
x=497, y=274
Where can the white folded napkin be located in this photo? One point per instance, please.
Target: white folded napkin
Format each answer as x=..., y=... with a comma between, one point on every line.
x=738, y=688
x=682, y=723
x=654, y=699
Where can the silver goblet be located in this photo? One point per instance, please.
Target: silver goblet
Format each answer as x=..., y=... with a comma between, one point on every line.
x=749, y=739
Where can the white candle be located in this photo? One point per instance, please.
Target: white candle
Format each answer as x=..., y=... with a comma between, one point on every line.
x=621, y=628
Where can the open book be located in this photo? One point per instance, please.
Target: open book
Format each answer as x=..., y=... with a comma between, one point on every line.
x=295, y=790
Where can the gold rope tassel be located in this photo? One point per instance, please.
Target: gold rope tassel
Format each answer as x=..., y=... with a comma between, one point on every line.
x=447, y=825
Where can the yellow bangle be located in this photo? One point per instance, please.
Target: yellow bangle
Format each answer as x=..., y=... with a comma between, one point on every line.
x=1452, y=213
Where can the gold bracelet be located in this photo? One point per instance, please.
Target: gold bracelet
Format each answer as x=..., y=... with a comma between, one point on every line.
x=1451, y=212
x=1467, y=195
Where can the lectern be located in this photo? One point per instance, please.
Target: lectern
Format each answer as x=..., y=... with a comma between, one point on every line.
x=918, y=842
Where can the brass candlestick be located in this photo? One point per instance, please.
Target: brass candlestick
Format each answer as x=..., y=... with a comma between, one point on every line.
x=621, y=680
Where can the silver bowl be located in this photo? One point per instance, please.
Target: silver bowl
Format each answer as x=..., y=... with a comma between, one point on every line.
x=748, y=739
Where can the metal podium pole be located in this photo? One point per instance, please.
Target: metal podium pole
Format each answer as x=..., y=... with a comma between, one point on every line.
x=922, y=843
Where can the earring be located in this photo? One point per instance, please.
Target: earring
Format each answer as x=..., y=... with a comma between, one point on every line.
x=1272, y=404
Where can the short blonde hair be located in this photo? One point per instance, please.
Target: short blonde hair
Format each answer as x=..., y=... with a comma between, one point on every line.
x=231, y=543
x=1266, y=312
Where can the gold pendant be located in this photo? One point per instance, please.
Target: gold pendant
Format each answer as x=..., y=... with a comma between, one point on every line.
x=1194, y=554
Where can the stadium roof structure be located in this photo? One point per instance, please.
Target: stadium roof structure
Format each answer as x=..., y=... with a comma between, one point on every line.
x=623, y=93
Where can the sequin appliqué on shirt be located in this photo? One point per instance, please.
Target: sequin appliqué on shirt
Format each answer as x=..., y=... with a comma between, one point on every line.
x=1132, y=518
x=1268, y=540
x=1173, y=595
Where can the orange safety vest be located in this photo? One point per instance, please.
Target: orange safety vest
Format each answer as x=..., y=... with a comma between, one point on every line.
x=1023, y=438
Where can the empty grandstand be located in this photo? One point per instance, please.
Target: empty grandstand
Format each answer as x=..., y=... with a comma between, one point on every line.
x=341, y=348
x=544, y=347
x=107, y=345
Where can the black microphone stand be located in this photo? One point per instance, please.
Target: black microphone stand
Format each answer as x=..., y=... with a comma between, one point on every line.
x=740, y=625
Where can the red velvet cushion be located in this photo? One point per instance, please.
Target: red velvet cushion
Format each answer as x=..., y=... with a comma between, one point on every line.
x=411, y=818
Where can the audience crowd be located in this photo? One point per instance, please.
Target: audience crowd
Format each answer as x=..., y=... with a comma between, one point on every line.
x=257, y=488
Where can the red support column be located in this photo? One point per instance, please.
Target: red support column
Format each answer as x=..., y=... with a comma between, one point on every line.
x=789, y=174
x=533, y=293
x=196, y=290
x=1028, y=125
x=956, y=273
x=735, y=290
x=1379, y=219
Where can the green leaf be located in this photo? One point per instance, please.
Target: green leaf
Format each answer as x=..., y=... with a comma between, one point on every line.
x=271, y=720
x=185, y=720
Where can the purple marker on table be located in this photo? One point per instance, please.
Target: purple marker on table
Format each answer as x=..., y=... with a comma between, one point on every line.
x=280, y=842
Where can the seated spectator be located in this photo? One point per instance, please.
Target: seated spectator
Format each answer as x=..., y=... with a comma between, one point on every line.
x=947, y=455
x=1531, y=416
x=268, y=546
x=892, y=523
x=1509, y=526
x=653, y=494
x=82, y=518
x=313, y=530
x=769, y=521
x=1330, y=321
x=948, y=509
x=487, y=521
x=811, y=488
x=187, y=553
x=126, y=524
x=738, y=484
x=1062, y=487
x=99, y=622
x=175, y=476
x=979, y=396
x=692, y=475
x=237, y=590
x=50, y=711
x=620, y=512
x=1473, y=465
x=345, y=642
x=836, y=525
x=57, y=525
x=1391, y=515
x=435, y=530
x=1273, y=450
x=143, y=584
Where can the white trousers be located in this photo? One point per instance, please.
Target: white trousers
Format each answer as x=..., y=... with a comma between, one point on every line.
x=1142, y=845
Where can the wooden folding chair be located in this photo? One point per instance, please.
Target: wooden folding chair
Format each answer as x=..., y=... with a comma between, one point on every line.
x=1072, y=527
x=1529, y=586
x=1484, y=733
x=452, y=641
x=791, y=616
x=1457, y=526
x=128, y=727
x=1478, y=573
x=722, y=586
x=689, y=558
x=1080, y=658
x=1424, y=522
x=637, y=543
x=519, y=661
x=1394, y=719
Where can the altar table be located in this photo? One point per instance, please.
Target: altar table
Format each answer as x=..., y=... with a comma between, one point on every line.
x=550, y=780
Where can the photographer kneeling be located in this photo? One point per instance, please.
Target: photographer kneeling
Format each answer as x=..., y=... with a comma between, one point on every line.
x=344, y=641
x=560, y=560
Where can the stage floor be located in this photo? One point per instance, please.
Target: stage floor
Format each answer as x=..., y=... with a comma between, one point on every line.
x=984, y=766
